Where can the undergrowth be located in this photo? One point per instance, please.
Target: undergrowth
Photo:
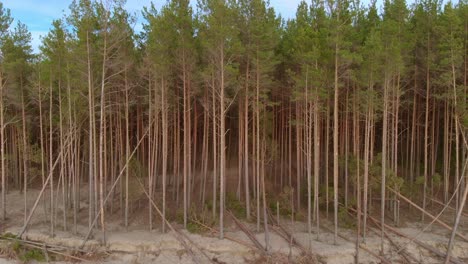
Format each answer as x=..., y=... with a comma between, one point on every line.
x=12, y=247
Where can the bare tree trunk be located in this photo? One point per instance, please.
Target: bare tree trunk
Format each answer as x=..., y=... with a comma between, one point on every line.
x=298, y=156
x=308, y=151
x=246, y=144
x=426, y=139
x=205, y=150
x=290, y=142
x=42, y=139
x=257, y=149
x=2, y=148
x=164, y=150
x=101, y=139
x=446, y=152
x=151, y=159
x=384, y=164
x=265, y=214
x=366, y=171
x=457, y=221
x=204, y=158
x=317, y=160
x=335, y=147
x=62, y=159
x=356, y=134
x=346, y=148
x=25, y=152
x=413, y=131
x=222, y=146
x=51, y=132
x=127, y=153
x=90, y=138
x=215, y=142
x=326, y=154
x=240, y=150
x=187, y=139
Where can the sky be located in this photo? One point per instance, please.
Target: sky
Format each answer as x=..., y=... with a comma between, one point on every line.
x=39, y=14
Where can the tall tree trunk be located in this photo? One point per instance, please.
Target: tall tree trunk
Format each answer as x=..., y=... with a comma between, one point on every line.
x=164, y=150
x=222, y=147
x=101, y=140
x=384, y=163
x=51, y=132
x=308, y=151
x=335, y=145
x=2, y=148
x=186, y=146
x=246, y=144
x=265, y=214
x=215, y=142
x=25, y=152
x=317, y=160
x=426, y=139
x=90, y=138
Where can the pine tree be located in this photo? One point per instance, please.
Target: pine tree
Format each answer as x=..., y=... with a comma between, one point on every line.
x=56, y=54
x=17, y=55
x=5, y=21
x=259, y=43
x=84, y=23
x=370, y=77
x=424, y=18
x=220, y=42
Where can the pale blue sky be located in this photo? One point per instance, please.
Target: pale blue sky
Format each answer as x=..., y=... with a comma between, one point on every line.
x=38, y=14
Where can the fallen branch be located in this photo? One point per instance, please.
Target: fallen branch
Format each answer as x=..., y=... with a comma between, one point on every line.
x=457, y=222
x=243, y=243
x=449, y=207
x=459, y=213
x=31, y=244
x=194, y=244
x=421, y=244
x=289, y=236
x=437, y=216
x=427, y=213
x=178, y=235
x=51, y=173
x=113, y=187
x=248, y=233
x=43, y=244
x=401, y=251
x=383, y=259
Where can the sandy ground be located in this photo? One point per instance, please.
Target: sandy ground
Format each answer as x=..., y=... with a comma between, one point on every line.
x=142, y=246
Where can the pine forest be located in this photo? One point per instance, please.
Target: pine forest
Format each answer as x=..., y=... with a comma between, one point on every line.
x=339, y=127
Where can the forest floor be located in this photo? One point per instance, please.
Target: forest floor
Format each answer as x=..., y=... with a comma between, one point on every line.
x=138, y=245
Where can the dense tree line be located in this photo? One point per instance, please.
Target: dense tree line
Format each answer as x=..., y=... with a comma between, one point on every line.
x=339, y=106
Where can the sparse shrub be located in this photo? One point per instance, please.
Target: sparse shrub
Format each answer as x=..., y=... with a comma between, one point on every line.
x=345, y=219
x=419, y=181
x=284, y=200
x=179, y=216
x=15, y=248
x=236, y=207
x=323, y=196
x=33, y=254
x=436, y=179
x=209, y=205
x=194, y=227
